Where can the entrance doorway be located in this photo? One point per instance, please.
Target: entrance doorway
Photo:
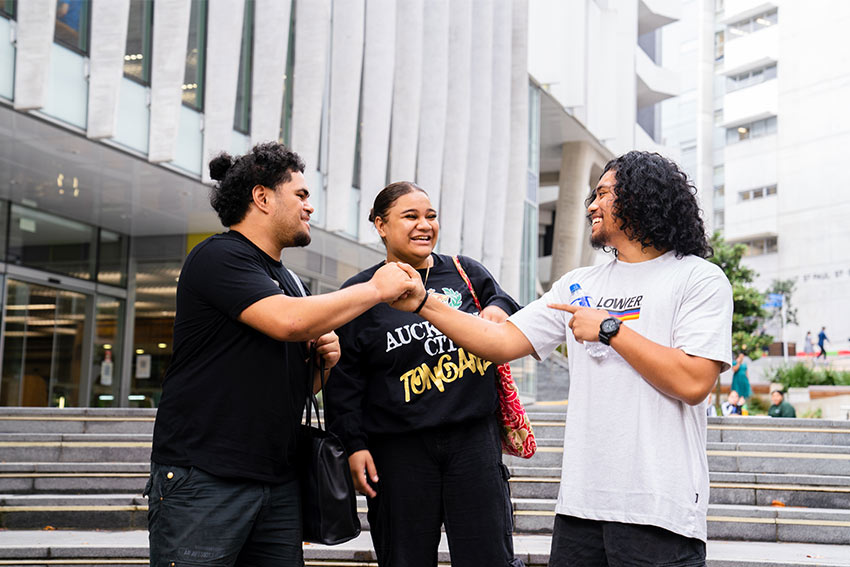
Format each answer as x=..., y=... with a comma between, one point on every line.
x=43, y=351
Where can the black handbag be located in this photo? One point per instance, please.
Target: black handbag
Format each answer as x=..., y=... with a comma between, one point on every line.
x=328, y=500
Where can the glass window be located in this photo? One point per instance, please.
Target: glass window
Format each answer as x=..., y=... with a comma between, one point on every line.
x=719, y=40
x=770, y=73
x=47, y=242
x=771, y=245
x=757, y=129
x=719, y=219
x=107, y=356
x=137, y=53
x=72, y=24
x=193, y=77
x=771, y=125
x=771, y=190
x=42, y=353
x=7, y=8
x=4, y=218
x=242, y=116
x=112, y=263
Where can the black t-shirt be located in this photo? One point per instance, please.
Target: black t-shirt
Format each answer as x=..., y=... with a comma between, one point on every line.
x=398, y=373
x=233, y=397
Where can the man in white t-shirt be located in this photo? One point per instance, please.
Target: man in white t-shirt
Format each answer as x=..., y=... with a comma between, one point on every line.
x=634, y=484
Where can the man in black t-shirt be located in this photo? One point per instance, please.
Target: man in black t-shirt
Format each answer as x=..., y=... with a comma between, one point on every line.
x=223, y=489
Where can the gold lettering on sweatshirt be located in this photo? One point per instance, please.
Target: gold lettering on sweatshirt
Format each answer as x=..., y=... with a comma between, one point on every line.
x=421, y=378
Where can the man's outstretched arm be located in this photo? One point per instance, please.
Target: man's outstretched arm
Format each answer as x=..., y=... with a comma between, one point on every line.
x=496, y=342
x=673, y=371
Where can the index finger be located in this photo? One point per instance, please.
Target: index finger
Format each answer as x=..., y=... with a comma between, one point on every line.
x=563, y=307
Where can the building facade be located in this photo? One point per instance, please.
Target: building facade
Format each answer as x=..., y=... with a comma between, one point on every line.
x=110, y=109
x=770, y=136
x=599, y=67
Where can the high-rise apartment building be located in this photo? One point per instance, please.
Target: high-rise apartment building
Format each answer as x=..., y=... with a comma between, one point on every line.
x=771, y=135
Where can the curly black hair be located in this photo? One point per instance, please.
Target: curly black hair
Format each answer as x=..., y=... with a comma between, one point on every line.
x=656, y=204
x=267, y=164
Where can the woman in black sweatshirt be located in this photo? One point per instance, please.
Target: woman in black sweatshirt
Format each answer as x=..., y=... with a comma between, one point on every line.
x=417, y=413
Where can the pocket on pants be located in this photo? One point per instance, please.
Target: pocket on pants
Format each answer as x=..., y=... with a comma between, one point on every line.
x=165, y=480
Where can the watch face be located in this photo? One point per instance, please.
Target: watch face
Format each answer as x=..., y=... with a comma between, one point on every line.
x=610, y=325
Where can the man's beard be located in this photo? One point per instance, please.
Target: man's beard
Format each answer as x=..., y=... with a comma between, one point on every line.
x=301, y=239
x=597, y=241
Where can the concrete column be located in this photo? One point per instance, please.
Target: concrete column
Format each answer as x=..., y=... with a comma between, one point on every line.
x=435, y=85
x=457, y=130
x=478, y=160
x=705, y=112
x=224, y=47
x=170, y=36
x=376, y=104
x=500, y=141
x=312, y=29
x=271, y=45
x=570, y=223
x=34, y=38
x=106, y=64
x=346, y=67
x=518, y=160
x=407, y=90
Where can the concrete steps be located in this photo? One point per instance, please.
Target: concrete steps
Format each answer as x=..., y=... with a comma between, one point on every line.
x=774, y=483
x=114, y=549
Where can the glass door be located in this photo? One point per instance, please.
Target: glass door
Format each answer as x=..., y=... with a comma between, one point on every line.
x=43, y=346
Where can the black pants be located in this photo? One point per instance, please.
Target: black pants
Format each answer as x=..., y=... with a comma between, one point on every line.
x=577, y=542
x=822, y=352
x=196, y=518
x=449, y=475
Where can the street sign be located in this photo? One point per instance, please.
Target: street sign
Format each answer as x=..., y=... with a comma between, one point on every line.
x=773, y=300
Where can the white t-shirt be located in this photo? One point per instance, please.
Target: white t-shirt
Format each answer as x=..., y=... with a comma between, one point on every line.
x=631, y=453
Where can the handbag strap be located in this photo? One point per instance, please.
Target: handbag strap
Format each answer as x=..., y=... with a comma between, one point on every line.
x=462, y=273
x=312, y=401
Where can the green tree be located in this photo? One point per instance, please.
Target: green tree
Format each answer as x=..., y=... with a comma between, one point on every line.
x=748, y=315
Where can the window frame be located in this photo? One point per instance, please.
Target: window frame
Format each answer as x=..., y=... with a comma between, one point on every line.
x=245, y=79
x=85, y=23
x=147, y=45
x=202, y=57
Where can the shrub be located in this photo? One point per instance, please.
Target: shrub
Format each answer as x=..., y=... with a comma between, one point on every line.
x=757, y=406
x=801, y=376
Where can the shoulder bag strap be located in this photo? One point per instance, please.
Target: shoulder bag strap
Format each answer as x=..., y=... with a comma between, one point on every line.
x=462, y=273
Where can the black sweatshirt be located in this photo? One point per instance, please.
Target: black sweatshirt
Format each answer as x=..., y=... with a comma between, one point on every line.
x=398, y=373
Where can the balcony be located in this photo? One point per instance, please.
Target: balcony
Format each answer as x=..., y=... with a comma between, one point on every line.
x=652, y=14
x=745, y=52
x=751, y=103
x=654, y=83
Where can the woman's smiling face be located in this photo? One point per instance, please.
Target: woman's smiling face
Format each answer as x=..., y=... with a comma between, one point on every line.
x=410, y=229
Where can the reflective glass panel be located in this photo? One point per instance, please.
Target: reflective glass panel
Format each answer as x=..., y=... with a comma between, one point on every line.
x=112, y=265
x=43, y=347
x=137, y=54
x=44, y=241
x=193, y=77
x=107, y=356
x=72, y=24
x=242, y=116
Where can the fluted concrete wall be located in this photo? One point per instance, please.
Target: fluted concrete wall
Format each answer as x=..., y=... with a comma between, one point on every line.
x=346, y=67
x=106, y=65
x=271, y=43
x=407, y=90
x=35, y=22
x=170, y=36
x=435, y=85
x=457, y=133
x=518, y=165
x=376, y=107
x=224, y=46
x=478, y=156
x=500, y=140
x=312, y=29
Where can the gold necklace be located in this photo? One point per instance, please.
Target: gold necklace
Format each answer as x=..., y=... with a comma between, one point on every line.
x=427, y=273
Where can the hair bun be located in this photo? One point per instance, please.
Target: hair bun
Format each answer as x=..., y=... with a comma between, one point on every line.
x=220, y=165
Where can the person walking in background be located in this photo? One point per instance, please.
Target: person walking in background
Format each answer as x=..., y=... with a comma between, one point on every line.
x=808, y=346
x=223, y=488
x=634, y=477
x=416, y=413
x=740, y=380
x=780, y=407
x=822, y=338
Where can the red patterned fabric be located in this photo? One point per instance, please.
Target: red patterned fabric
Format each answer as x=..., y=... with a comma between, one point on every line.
x=517, y=434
